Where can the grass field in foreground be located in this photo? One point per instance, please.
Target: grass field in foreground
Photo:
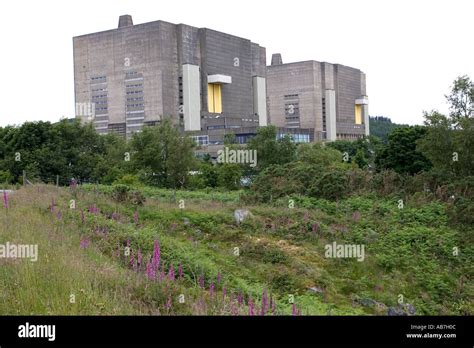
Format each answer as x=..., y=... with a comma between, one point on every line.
x=210, y=265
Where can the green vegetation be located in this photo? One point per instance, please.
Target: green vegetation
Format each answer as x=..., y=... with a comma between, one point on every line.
x=163, y=223
x=409, y=251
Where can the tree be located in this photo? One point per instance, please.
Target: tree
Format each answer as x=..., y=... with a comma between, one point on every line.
x=438, y=144
x=461, y=100
x=163, y=154
x=228, y=175
x=271, y=150
x=401, y=153
x=449, y=141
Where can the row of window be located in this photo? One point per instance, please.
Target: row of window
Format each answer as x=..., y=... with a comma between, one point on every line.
x=135, y=92
x=134, y=85
x=201, y=139
x=296, y=138
x=101, y=89
x=135, y=99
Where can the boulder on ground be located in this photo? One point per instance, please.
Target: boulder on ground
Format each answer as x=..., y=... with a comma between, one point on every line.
x=241, y=215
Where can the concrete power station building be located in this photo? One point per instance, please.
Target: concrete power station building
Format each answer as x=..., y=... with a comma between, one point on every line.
x=211, y=84
x=328, y=98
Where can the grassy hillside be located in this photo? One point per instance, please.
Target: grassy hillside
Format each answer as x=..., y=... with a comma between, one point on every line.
x=209, y=264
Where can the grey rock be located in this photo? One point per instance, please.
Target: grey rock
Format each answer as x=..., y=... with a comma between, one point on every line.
x=410, y=309
x=395, y=311
x=316, y=290
x=241, y=215
x=367, y=302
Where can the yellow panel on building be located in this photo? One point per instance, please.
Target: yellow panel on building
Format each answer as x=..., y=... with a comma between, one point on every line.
x=358, y=114
x=214, y=98
x=210, y=97
x=217, y=99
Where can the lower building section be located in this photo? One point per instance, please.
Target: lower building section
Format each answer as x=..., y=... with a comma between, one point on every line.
x=213, y=140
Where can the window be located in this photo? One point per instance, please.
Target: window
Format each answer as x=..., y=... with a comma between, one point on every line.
x=358, y=114
x=201, y=139
x=214, y=98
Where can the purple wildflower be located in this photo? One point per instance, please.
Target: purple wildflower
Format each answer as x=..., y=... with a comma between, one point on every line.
x=294, y=312
x=150, y=271
x=139, y=259
x=274, y=308
x=156, y=255
x=135, y=217
x=211, y=290
x=171, y=273
x=168, y=303
x=264, y=302
x=240, y=299
x=251, y=307
x=180, y=271
x=5, y=199
x=233, y=309
x=85, y=243
x=201, y=281
x=162, y=274
x=132, y=260
x=60, y=215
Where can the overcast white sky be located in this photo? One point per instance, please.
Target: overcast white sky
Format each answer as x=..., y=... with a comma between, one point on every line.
x=411, y=50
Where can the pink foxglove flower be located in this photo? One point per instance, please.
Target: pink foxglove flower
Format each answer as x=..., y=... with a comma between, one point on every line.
x=264, y=302
x=156, y=255
x=85, y=243
x=251, y=307
x=171, y=273
x=139, y=259
x=5, y=199
x=211, y=290
x=132, y=259
x=240, y=299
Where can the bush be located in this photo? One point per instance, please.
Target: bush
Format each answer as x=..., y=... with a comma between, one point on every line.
x=136, y=198
x=120, y=193
x=332, y=185
x=128, y=180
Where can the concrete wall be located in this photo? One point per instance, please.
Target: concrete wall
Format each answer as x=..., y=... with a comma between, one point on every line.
x=157, y=51
x=284, y=82
x=312, y=81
